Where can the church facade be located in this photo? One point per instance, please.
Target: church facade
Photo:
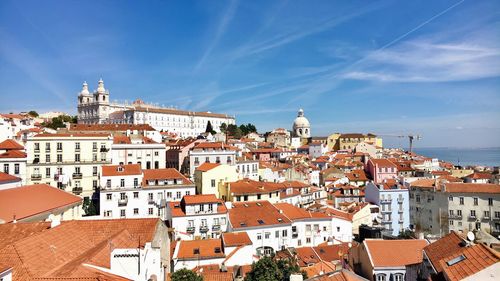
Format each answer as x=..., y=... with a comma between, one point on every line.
x=96, y=108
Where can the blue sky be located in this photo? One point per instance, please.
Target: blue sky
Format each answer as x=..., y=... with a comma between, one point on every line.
x=388, y=67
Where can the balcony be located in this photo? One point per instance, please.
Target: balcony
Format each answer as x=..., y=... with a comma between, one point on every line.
x=471, y=217
x=123, y=202
x=151, y=201
x=190, y=229
x=455, y=217
x=486, y=218
x=77, y=176
x=103, y=149
x=400, y=200
x=36, y=177
x=36, y=160
x=400, y=211
x=386, y=222
x=401, y=220
x=496, y=219
x=203, y=229
x=77, y=190
x=386, y=211
x=77, y=149
x=295, y=235
x=94, y=149
x=385, y=201
x=216, y=227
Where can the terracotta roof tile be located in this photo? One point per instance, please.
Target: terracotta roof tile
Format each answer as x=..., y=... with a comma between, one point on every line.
x=207, y=166
x=258, y=213
x=200, y=249
x=199, y=199
x=13, y=154
x=233, y=239
x=474, y=259
x=6, y=178
x=165, y=174
x=443, y=247
x=10, y=145
x=121, y=170
x=402, y=253
x=472, y=188
x=26, y=201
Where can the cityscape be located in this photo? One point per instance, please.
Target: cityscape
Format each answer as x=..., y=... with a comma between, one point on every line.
x=321, y=174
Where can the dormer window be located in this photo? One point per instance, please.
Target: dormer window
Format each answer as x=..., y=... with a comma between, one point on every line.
x=196, y=251
x=120, y=169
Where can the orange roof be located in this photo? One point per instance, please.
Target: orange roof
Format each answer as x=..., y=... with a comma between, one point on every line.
x=64, y=250
x=319, y=268
x=356, y=175
x=110, y=127
x=121, y=140
x=472, y=188
x=212, y=145
x=257, y=213
x=199, y=199
x=10, y=233
x=121, y=170
x=295, y=213
x=200, y=249
x=478, y=175
x=6, y=178
x=178, y=209
x=233, y=239
x=30, y=200
x=340, y=275
x=207, y=166
x=61, y=135
x=443, y=247
x=164, y=174
x=402, y=252
x=10, y=144
x=383, y=163
x=475, y=259
x=13, y=154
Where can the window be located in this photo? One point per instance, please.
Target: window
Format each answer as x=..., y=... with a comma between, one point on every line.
x=77, y=157
x=123, y=196
x=210, y=207
x=150, y=211
x=267, y=235
x=473, y=213
x=156, y=153
x=169, y=194
x=94, y=146
x=490, y=201
x=59, y=158
x=37, y=146
x=136, y=182
x=223, y=221
x=108, y=196
x=212, y=183
x=459, y=213
x=277, y=234
x=107, y=213
x=179, y=196
x=47, y=158
x=94, y=171
x=136, y=194
x=59, y=146
x=398, y=277
x=47, y=146
x=475, y=201
x=497, y=214
x=380, y=277
x=108, y=183
x=122, y=213
x=16, y=169
x=285, y=233
x=259, y=236
x=136, y=211
x=338, y=228
x=461, y=200
x=122, y=182
x=77, y=146
x=6, y=168
x=451, y=222
x=451, y=213
x=486, y=214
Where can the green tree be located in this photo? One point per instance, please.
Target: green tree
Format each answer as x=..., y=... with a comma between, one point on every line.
x=209, y=129
x=266, y=269
x=234, y=131
x=185, y=275
x=89, y=207
x=58, y=122
x=223, y=127
x=288, y=267
x=33, y=113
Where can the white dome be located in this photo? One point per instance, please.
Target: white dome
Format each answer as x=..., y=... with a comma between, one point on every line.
x=85, y=89
x=301, y=126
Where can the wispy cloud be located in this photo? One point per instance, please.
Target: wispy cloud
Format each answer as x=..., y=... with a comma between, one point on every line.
x=221, y=29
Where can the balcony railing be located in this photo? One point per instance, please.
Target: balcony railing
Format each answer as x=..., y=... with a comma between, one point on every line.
x=216, y=227
x=400, y=200
x=472, y=217
x=36, y=176
x=123, y=202
x=486, y=218
x=190, y=229
x=151, y=201
x=203, y=228
x=77, y=190
x=385, y=201
x=386, y=211
x=496, y=218
x=455, y=217
x=103, y=149
x=77, y=175
x=387, y=222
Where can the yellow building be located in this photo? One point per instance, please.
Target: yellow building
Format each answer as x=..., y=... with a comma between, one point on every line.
x=332, y=141
x=210, y=177
x=349, y=141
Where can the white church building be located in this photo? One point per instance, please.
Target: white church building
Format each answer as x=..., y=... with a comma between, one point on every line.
x=96, y=108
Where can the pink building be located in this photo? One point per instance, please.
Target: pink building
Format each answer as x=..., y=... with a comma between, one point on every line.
x=381, y=169
x=177, y=152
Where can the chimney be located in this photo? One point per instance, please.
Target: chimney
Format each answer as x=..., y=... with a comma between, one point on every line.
x=54, y=220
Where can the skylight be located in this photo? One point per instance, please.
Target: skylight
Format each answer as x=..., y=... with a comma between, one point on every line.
x=260, y=221
x=456, y=260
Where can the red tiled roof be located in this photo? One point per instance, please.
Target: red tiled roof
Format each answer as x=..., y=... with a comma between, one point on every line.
x=165, y=174
x=383, y=163
x=258, y=213
x=121, y=170
x=402, y=252
x=443, y=247
x=13, y=154
x=206, y=247
x=178, y=210
x=207, y=166
x=472, y=188
x=10, y=145
x=64, y=250
x=233, y=239
x=295, y=213
x=6, y=178
x=11, y=233
x=199, y=199
x=476, y=258
x=26, y=201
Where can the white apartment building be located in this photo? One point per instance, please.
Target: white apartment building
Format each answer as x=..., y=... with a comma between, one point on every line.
x=197, y=216
x=393, y=200
x=211, y=152
x=69, y=161
x=96, y=108
x=13, y=159
x=248, y=168
x=136, y=149
x=127, y=191
x=438, y=207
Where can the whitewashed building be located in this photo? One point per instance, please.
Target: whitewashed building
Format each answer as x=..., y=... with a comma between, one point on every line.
x=211, y=152
x=136, y=149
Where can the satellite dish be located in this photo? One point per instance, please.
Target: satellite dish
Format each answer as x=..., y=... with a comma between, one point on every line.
x=470, y=236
